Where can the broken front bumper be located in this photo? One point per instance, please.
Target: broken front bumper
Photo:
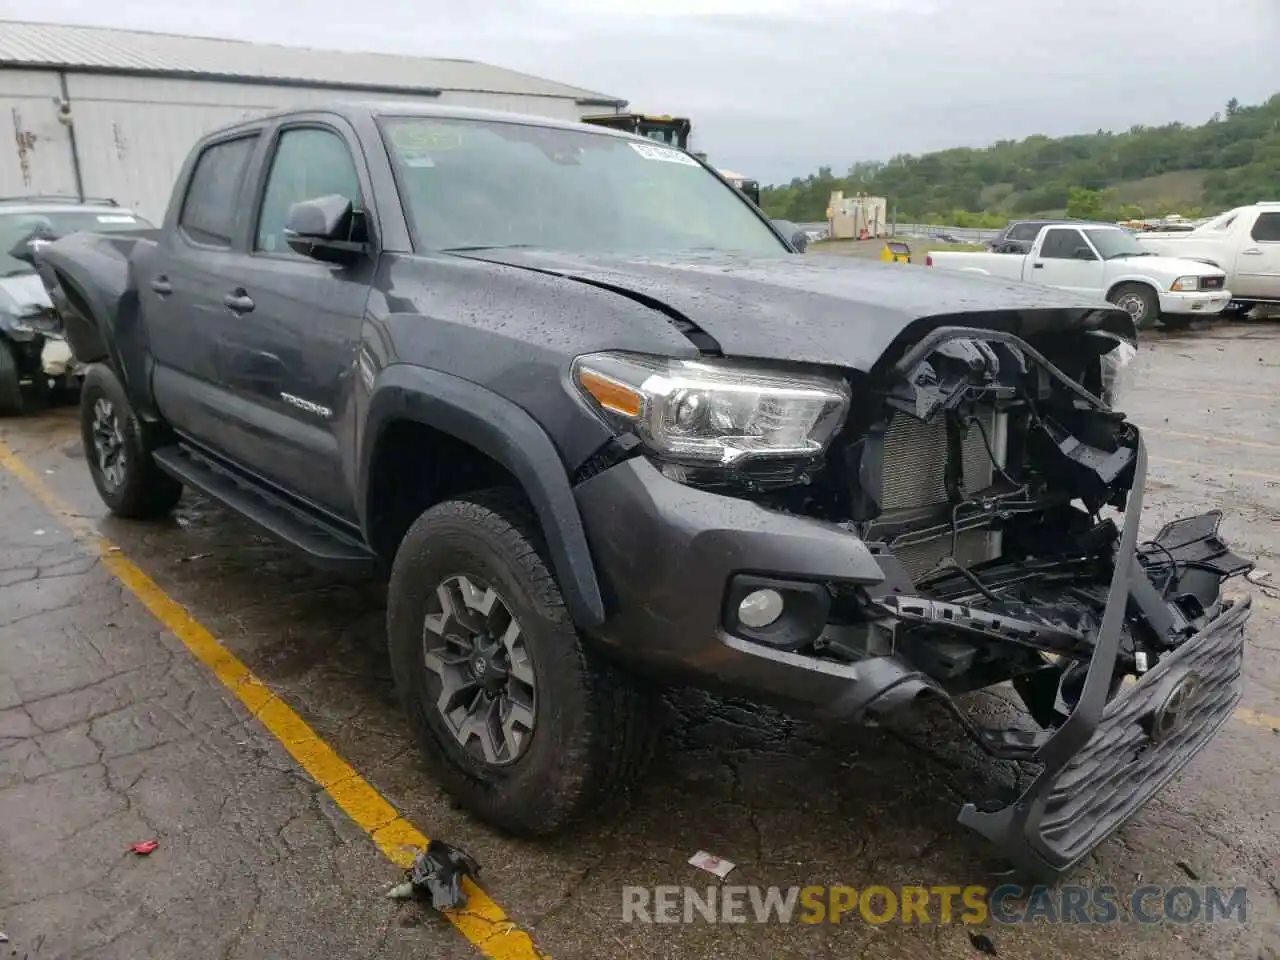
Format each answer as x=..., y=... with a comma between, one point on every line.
x=670, y=557
x=1112, y=756
x=1143, y=737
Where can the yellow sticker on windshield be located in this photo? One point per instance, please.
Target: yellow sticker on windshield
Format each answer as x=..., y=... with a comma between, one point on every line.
x=425, y=138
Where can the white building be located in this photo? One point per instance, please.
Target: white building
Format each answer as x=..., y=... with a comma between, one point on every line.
x=112, y=113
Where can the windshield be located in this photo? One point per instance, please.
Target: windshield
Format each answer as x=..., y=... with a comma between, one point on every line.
x=18, y=226
x=470, y=184
x=1116, y=243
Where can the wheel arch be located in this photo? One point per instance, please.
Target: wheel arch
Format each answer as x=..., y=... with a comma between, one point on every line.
x=1133, y=282
x=412, y=409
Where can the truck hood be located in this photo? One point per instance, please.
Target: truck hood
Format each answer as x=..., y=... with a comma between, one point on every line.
x=817, y=309
x=1172, y=265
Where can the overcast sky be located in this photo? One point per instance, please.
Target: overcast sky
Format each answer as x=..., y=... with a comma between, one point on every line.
x=776, y=88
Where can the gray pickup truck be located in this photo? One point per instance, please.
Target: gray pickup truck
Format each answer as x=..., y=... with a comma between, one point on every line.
x=606, y=429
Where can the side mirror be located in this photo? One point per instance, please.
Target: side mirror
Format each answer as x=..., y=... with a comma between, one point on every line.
x=324, y=229
x=798, y=238
x=26, y=248
x=1083, y=253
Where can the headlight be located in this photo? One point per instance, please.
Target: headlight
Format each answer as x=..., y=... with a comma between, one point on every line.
x=18, y=328
x=1186, y=283
x=710, y=411
x=1119, y=371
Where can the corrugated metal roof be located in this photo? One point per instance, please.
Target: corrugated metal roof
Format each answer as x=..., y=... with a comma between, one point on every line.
x=54, y=45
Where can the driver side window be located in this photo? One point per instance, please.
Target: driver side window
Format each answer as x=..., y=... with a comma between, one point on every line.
x=1061, y=244
x=309, y=162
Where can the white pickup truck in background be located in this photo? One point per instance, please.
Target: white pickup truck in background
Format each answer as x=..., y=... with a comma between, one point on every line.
x=1245, y=242
x=1107, y=261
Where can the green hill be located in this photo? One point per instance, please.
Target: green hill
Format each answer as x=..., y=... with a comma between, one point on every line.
x=1232, y=159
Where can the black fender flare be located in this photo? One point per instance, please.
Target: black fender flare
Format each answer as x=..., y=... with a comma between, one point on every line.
x=507, y=434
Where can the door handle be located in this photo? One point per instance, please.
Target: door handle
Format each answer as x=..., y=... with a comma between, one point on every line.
x=162, y=286
x=1253, y=252
x=1037, y=266
x=238, y=302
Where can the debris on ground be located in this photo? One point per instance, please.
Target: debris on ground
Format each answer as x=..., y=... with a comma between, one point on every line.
x=195, y=556
x=1187, y=869
x=712, y=864
x=1257, y=576
x=982, y=943
x=438, y=872
x=144, y=847
x=4, y=938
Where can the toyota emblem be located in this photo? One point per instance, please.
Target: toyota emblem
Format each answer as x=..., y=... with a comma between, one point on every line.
x=1173, y=710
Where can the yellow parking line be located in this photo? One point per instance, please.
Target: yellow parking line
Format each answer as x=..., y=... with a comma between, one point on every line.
x=1256, y=719
x=1205, y=438
x=1228, y=394
x=483, y=922
x=1218, y=468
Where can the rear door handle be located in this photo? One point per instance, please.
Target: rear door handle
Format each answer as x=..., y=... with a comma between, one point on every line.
x=162, y=286
x=238, y=302
x=1254, y=252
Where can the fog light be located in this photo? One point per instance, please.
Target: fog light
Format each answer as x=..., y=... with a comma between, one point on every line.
x=760, y=608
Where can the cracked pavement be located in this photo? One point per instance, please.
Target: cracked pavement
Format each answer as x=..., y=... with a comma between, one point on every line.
x=111, y=733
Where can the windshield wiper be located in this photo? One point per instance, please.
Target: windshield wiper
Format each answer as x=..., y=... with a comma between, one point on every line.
x=1132, y=253
x=20, y=272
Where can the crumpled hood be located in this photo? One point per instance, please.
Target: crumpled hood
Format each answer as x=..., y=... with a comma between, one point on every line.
x=18, y=293
x=812, y=309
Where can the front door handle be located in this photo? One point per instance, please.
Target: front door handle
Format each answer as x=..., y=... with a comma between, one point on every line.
x=1037, y=266
x=162, y=286
x=1253, y=252
x=238, y=302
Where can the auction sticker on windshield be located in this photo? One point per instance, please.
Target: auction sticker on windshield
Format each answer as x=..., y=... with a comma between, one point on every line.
x=665, y=154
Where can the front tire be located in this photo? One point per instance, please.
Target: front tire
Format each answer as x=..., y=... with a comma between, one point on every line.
x=117, y=451
x=1139, y=301
x=11, y=402
x=520, y=720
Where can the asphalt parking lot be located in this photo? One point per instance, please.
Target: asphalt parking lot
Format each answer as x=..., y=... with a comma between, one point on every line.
x=123, y=719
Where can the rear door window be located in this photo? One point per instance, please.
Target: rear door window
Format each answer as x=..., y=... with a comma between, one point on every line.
x=213, y=196
x=1266, y=229
x=1024, y=231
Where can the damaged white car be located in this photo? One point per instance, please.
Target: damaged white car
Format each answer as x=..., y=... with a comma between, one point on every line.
x=34, y=356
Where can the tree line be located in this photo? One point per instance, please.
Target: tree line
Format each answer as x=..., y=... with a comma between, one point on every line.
x=1235, y=157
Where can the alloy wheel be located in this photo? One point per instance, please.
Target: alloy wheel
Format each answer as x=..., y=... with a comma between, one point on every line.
x=108, y=443
x=488, y=691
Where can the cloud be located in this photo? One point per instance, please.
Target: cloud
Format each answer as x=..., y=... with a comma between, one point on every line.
x=777, y=87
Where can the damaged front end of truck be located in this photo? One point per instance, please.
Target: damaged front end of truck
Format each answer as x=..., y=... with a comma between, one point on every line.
x=972, y=521
x=1005, y=562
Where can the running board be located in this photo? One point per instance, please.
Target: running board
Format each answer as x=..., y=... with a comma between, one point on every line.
x=324, y=545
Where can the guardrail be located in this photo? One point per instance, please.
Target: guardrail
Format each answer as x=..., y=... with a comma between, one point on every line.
x=924, y=230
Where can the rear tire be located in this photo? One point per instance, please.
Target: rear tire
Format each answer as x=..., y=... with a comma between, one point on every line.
x=1139, y=301
x=571, y=731
x=118, y=453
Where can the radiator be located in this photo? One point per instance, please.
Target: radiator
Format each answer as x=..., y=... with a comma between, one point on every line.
x=915, y=471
